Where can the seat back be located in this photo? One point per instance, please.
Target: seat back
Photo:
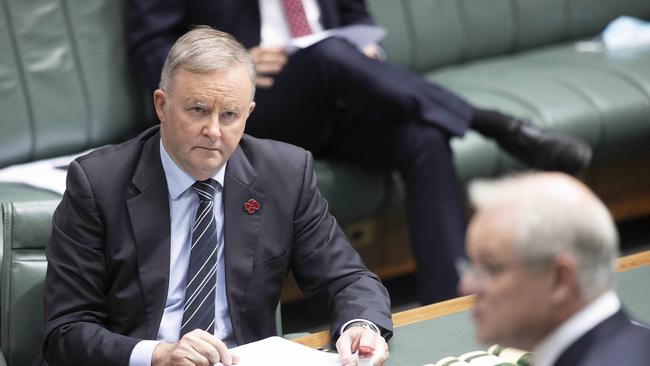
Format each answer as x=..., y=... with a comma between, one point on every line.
x=26, y=230
x=65, y=81
x=428, y=34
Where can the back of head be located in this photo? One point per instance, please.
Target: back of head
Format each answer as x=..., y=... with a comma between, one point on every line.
x=204, y=49
x=552, y=214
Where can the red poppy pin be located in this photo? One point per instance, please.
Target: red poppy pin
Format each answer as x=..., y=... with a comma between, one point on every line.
x=251, y=206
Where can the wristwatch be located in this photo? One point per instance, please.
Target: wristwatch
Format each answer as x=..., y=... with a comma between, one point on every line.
x=364, y=324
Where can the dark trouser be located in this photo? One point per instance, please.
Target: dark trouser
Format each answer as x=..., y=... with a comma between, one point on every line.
x=336, y=102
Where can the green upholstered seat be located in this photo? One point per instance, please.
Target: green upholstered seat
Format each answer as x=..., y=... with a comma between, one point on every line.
x=65, y=83
x=26, y=229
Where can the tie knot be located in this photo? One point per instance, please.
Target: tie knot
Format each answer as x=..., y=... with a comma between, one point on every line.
x=205, y=189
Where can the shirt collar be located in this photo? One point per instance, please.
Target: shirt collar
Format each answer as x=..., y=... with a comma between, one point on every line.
x=553, y=345
x=178, y=181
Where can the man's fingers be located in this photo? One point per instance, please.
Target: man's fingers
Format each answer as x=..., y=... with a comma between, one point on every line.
x=268, y=60
x=185, y=354
x=220, y=352
x=235, y=358
x=381, y=351
x=264, y=81
x=204, y=349
x=269, y=67
x=344, y=347
x=268, y=54
x=367, y=342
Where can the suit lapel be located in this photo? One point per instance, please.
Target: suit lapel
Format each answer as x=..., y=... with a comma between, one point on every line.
x=149, y=214
x=241, y=231
x=593, y=339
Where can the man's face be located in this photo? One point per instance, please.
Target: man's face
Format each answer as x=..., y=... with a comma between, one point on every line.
x=511, y=300
x=203, y=116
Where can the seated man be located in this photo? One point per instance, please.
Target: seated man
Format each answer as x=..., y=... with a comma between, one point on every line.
x=340, y=102
x=542, y=249
x=172, y=247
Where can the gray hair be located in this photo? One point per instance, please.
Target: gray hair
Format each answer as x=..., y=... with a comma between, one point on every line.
x=204, y=49
x=551, y=214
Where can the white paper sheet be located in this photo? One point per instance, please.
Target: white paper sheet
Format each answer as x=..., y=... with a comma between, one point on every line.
x=359, y=35
x=46, y=174
x=282, y=352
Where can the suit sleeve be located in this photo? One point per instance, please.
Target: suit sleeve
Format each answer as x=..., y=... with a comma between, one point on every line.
x=75, y=310
x=324, y=260
x=153, y=27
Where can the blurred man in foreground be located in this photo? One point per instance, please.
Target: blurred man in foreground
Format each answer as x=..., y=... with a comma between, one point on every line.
x=542, y=250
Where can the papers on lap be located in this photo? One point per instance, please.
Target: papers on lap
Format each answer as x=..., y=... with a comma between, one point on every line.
x=359, y=35
x=279, y=351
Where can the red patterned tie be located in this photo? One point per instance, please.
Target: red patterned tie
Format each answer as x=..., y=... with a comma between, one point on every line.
x=296, y=18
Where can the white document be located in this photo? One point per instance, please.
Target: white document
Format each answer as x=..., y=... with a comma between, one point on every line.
x=282, y=352
x=359, y=35
x=622, y=33
x=49, y=174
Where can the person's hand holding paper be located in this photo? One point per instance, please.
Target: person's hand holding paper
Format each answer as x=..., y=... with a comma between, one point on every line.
x=360, y=345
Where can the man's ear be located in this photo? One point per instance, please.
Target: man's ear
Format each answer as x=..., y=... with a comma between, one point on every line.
x=159, y=102
x=563, y=281
x=251, y=106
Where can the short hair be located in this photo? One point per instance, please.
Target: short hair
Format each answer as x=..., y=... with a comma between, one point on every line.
x=205, y=49
x=553, y=213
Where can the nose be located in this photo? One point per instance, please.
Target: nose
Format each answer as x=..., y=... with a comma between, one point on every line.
x=212, y=128
x=467, y=284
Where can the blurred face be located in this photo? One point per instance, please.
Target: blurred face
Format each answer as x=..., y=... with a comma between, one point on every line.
x=511, y=300
x=203, y=116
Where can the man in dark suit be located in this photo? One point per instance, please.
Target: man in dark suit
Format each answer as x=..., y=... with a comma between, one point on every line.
x=340, y=102
x=542, y=249
x=172, y=247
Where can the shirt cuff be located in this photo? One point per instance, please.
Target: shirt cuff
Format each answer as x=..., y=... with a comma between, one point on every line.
x=142, y=353
x=373, y=326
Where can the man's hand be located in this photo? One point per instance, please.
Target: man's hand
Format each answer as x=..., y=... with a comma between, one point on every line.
x=268, y=61
x=373, y=51
x=365, y=342
x=197, y=347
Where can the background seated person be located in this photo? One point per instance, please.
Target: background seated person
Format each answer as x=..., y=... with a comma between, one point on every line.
x=338, y=102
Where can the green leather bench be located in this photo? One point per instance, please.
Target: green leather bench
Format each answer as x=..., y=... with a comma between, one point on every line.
x=25, y=231
x=65, y=86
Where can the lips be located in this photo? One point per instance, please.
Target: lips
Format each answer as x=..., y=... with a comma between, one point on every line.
x=207, y=148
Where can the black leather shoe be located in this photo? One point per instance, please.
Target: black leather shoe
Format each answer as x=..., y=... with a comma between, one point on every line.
x=545, y=150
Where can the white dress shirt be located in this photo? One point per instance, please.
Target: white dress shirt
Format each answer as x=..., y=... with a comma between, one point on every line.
x=274, y=28
x=551, y=347
x=183, y=203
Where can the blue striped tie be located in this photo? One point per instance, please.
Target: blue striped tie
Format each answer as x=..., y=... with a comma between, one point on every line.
x=198, y=311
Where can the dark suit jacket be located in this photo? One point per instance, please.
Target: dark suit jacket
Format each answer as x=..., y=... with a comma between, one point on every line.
x=108, y=257
x=615, y=341
x=154, y=25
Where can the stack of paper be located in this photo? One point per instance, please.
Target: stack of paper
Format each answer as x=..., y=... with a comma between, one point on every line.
x=279, y=351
